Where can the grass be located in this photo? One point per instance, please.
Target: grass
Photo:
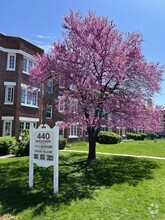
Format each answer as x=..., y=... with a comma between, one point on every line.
x=146, y=148
x=109, y=188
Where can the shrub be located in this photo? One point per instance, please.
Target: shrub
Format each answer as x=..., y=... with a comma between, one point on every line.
x=105, y=137
x=143, y=136
x=152, y=136
x=6, y=144
x=62, y=143
x=23, y=145
x=136, y=136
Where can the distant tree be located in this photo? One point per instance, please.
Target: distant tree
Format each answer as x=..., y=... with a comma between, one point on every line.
x=106, y=78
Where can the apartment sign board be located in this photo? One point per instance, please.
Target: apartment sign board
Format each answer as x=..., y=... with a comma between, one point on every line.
x=44, y=151
x=43, y=146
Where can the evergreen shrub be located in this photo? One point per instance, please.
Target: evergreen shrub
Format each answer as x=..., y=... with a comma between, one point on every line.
x=23, y=145
x=105, y=137
x=62, y=143
x=136, y=136
x=6, y=144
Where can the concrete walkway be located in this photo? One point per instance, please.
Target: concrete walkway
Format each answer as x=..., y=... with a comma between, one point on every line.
x=123, y=155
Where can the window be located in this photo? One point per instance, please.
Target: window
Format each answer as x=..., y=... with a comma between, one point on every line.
x=49, y=111
x=23, y=95
x=104, y=128
x=26, y=65
x=24, y=125
x=61, y=81
x=61, y=132
x=61, y=104
x=73, y=131
x=73, y=105
x=11, y=61
x=49, y=86
x=72, y=87
x=28, y=97
x=9, y=92
x=7, y=128
x=81, y=132
x=9, y=95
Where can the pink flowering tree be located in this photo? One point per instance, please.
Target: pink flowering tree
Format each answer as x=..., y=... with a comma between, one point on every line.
x=102, y=75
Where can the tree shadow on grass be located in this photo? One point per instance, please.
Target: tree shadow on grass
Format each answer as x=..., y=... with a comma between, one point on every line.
x=78, y=179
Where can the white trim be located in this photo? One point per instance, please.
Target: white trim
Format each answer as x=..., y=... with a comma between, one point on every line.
x=49, y=112
x=58, y=122
x=4, y=123
x=29, y=87
x=27, y=119
x=7, y=50
x=8, y=62
x=9, y=83
x=9, y=100
x=8, y=103
x=27, y=65
x=31, y=106
x=8, y=118
x=73, y=136
x=75, y=130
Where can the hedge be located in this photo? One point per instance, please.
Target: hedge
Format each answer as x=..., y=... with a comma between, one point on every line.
x=136, y=136
x=105, y=137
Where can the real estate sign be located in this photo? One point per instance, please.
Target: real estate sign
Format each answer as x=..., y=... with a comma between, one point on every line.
x=44, y=151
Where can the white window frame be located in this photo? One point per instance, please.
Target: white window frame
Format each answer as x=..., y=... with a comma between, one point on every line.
x=7, y=119
x=81, y=132
x=4, y=128
x=49, y=112
x=61, y=130
x=26, y=100
x=104, y=128
x=7, y=86
x=61, y=81
x=27, y=70
x=9, y=100
x=49, y=86
x=27, y=120
x=73, y=131
x=61, y=104
x=8, y=61
x=24, y=126
x=73, y=105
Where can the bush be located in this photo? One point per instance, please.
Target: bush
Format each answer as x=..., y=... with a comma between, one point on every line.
x=152, y=136
x=62, y=143
x=136, y=136
x=23, y=145
x=105, y=137
x=6, y=144
x=143, y=136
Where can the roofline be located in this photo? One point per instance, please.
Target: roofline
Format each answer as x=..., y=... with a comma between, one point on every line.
x=22, y=39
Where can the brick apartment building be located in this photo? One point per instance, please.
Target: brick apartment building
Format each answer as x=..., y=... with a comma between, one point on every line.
x=17, y=107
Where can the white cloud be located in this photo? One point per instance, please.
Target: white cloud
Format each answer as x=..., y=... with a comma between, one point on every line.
x=45, y=37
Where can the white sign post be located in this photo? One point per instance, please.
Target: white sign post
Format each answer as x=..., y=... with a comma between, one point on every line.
x=44, y=151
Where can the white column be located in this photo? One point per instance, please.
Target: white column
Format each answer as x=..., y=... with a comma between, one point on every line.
x=56, y=171
x=31, y=165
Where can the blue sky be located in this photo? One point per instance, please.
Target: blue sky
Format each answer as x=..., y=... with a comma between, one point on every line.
x=39, y=21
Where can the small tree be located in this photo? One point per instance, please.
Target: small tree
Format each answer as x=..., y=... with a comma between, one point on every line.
x=106, y=79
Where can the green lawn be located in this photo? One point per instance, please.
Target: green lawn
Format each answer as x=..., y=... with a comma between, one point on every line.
x=146, y=148
x=109, y=188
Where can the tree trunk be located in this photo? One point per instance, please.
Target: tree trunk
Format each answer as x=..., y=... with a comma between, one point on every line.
x=92, y=144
